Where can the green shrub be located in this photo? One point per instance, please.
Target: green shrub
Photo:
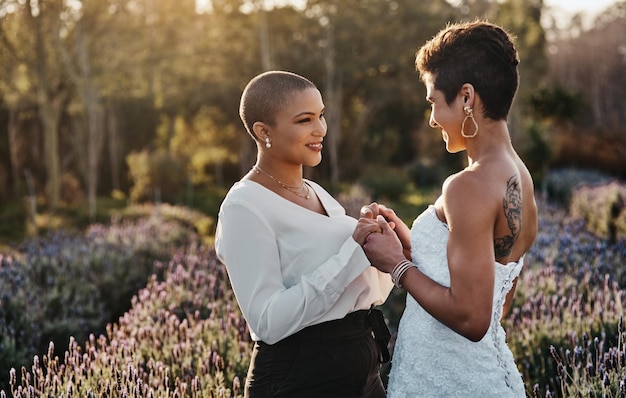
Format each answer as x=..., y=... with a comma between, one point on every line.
x=156, y=176
x=386, y=184
x=353, y=198
x=196, y=220
x=560, y=184
x=74, y=284
x=183, y=336
x=602, y=208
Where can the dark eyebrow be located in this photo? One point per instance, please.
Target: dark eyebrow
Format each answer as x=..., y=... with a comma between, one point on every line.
x=307, y=113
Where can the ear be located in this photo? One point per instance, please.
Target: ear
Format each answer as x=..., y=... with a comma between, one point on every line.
x=260, y=130
x=468, y=94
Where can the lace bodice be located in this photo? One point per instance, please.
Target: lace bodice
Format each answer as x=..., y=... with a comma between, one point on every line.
x=431, y=360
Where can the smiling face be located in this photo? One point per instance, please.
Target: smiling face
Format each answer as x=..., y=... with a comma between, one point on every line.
x=446, y=117
x=298, y=130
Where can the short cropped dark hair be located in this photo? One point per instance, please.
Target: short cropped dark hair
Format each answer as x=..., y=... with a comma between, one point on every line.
x=479, y=53
x=267, y=94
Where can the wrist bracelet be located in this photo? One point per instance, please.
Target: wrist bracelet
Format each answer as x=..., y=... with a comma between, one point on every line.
x=399, y=270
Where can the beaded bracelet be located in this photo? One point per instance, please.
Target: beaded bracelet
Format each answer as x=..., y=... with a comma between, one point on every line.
x=399, y=270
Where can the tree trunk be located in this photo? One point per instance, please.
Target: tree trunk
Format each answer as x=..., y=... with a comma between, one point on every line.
x=114, y=152
x=13, y=149
x=50, y=114
x=95, y=135
x=50, y=98
x=333, y=100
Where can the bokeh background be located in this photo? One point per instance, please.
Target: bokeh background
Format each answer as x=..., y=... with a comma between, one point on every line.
x=120, y=135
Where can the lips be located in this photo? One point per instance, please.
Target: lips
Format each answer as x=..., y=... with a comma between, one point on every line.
x=315, y=146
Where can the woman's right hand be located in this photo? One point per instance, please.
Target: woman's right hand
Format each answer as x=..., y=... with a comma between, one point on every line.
x=364, y=227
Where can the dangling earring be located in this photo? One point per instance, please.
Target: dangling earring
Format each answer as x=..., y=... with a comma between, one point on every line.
x=268, y=142
x=469, y=114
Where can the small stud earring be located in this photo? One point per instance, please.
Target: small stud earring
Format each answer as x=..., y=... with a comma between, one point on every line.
x=268, y=142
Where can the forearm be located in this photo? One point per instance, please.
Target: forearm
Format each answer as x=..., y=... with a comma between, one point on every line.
x=441, y=303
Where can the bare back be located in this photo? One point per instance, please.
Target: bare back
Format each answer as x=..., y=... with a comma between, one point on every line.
x=503, y=200
x=516, y=225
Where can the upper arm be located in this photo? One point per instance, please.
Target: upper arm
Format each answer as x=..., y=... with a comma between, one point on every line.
x=471, y=214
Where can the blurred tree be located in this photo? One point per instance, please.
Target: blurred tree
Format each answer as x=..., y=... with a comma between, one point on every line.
x=29, y=33
x=558, y=104
x=574, y=65
x=522, y=18
x=589, y=64
x=368, y=50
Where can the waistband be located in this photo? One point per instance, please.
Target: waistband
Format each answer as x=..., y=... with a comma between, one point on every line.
x=352, y=325
x=356, y=324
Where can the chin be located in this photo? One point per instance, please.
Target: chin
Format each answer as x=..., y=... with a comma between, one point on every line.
x=313, y=163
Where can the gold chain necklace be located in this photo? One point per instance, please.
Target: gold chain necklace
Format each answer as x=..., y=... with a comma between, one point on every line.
x=295, y=190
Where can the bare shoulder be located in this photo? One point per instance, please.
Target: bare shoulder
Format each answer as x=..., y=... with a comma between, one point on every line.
x=469, y=194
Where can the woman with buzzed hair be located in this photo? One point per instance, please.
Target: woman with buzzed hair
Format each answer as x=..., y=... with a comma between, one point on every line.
x=460, y=261
x=294, y=258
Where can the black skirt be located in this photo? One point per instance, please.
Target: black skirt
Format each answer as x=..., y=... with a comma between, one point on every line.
x=335, y=359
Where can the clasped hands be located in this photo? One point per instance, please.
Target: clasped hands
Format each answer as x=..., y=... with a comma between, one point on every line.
x=383, y=236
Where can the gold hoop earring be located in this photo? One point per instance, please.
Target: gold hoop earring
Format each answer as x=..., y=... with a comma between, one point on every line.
x=469, y=114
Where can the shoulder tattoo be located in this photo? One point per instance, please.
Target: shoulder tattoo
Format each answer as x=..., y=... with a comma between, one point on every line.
x=512, y=206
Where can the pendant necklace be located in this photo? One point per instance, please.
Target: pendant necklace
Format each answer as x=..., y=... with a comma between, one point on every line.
x=301, y=191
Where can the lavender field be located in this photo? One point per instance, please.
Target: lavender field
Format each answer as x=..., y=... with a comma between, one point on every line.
x=184, y=334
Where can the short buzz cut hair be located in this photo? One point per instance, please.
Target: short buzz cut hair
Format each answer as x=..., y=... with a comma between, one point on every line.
x=479, y=53
x=267, y=94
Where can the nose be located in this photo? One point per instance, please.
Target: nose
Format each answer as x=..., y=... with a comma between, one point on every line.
x=431, y=122
x=322, y=128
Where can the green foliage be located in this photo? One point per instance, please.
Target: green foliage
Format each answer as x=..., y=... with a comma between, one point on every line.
x=353, y=198
x=558, y=104
x=427, y=174
x=537, y=152
x=562, y=183
x=158, y=175
x=602, y=207
x=386, y=183
x=12, y=221
x=195, y=220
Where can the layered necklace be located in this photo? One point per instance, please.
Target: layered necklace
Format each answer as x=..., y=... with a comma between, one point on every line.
x=302, y=191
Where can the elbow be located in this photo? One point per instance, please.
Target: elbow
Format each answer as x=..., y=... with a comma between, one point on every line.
x=268, y=336
x=475, y=335
x=475, y=328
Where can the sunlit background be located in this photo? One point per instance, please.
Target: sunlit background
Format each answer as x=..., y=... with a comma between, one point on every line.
x=120, y=135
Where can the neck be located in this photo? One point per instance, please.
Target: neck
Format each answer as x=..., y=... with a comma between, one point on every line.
x=492, y=137
x=288, y=174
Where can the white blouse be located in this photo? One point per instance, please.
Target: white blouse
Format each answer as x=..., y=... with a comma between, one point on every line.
x=291, y=267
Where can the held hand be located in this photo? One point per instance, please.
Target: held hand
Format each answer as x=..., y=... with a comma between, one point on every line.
x=370, y=211
x=401, y=229
x=365, y=227
x=384, y=250
x=373, y=210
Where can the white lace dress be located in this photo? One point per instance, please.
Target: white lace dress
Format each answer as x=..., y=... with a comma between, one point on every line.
x=432, y=361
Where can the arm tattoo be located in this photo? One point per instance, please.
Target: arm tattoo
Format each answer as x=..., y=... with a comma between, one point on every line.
x=512, y=206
